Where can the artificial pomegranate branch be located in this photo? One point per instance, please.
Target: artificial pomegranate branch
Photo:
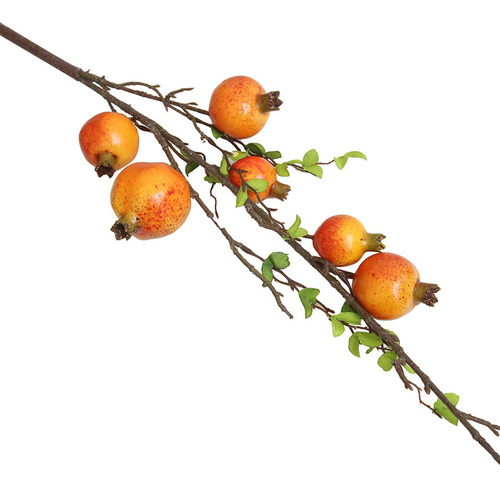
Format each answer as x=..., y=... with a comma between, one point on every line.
x=373, y=335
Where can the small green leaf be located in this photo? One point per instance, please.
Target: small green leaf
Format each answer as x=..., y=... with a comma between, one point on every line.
x=409, y=369
x=294, y=161
x=385, y=360
x=273, y=154
x=308, y=297
x=211, y=179
x=190, y=167
x=349, y=317
x=315, y=169
x=355, y=153
x=342, y=160
x=224, y=169
x=279, y=260
x=216, y=133
x=282, y=169
x=241, y=197
x=369, y=339
x=337, y=327
x=256, y=149
x=310, y=158
x=347, y=307
x=295, y=231
x=258, y=185
x=267, y=270
x=237, y=155
x=444, y=411
x=354, y=345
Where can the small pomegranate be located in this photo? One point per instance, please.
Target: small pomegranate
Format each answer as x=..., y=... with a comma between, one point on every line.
x=109, y=141
x=343, y=240
x=388, y=286
x=240, y=107
x=255, y=167
x=151, y=200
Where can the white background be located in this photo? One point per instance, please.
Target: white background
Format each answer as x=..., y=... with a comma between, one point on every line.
x=165, y=362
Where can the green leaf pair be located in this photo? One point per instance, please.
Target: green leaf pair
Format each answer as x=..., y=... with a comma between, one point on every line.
x=309, y=162
x=256, y=149
x=443, y=409
x=341, y=161
x=370, y=340
x=276, y=260
x=295, y=231
x=308, y=297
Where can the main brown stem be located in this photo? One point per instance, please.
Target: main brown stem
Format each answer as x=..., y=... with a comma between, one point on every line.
x=258, y=214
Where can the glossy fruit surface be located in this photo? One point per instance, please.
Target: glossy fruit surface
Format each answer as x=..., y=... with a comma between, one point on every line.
x=109, y=141
x=240, y=107
x=151, y=200
x=255, y=167
x=343, y=240
x=388, y=286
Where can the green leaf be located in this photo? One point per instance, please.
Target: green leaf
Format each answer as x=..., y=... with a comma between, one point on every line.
x=369, y=339
x=354, y=345
x=241, y=197
x=282, y=169
x=315, y=169
x=224, y=169
x=190, y=167
x=256, y=149
x=294, y=161
x=267, y=270
x=237, y=155
x=308, y=297
x=444, y=411
x=337, y=327
x=409, y=369
x=346, y=307
x=341, y=161
x=349, y=317
x=273, y=154
x=211, y=179
x=310, y=158
x=295, y=231
x=279, y=260
x=355, y=153
x=258, y=185
x=386, y=359
x=216, y=133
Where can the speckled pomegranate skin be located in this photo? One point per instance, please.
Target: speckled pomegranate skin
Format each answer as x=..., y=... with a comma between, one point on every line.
x=109, y=132
x=341, y=239
x=233, y=107
x=256, y=168
x=384, y=284
x=154, y=193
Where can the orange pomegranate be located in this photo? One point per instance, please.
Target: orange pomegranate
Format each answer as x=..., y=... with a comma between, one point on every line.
x=240, y=107
x=109, y=141
x=388, y=286
x=151, y=200
x=255, y=167
x=343, y=240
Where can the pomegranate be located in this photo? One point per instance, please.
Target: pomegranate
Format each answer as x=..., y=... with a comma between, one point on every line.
x=151, y=200
x=388, y=286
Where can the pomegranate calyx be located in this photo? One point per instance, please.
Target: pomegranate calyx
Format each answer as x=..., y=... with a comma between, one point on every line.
x=124, y=228
x=374, y=242
x=106, y=163
x=279, y=191
x=426, y=293
x=269, y=102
